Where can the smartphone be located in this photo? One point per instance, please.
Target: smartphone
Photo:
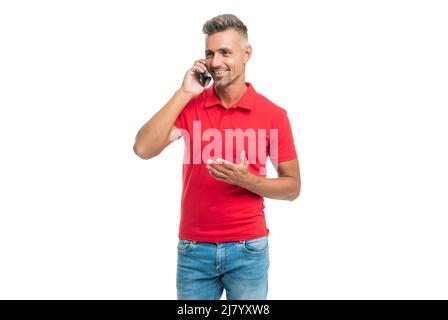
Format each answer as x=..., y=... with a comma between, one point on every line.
x=203, y=78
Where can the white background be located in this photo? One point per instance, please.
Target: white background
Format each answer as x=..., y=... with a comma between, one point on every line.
x=365, y=86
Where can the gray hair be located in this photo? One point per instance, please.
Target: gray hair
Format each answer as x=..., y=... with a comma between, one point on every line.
x=224, y=22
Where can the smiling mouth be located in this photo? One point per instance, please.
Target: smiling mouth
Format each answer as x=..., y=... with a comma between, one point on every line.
x=219, y=73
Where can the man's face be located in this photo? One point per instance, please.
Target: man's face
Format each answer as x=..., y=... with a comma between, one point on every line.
x=224, y=57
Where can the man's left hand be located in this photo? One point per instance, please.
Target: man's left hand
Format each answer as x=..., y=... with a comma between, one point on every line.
x=237, y=174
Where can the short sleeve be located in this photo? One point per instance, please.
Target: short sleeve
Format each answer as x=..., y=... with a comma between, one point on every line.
x=281, y=142
x=179, y=123
x=186, y=113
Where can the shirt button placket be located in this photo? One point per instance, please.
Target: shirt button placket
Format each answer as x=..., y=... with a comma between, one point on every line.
x=224, y=117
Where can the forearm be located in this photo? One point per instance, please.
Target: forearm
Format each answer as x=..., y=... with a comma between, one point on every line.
x=151, y=137
x=281, y=188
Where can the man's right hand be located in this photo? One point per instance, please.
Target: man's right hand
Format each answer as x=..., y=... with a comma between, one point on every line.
x=159, y=131
x=191, y=82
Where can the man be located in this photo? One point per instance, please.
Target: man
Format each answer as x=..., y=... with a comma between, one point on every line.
x=229, y=130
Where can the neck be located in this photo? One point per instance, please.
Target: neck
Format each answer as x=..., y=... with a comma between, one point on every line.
x=231, y=93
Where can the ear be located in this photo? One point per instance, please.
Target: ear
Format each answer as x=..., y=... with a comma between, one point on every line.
x=247, y=53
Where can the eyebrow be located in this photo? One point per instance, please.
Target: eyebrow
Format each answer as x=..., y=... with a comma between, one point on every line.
x=220, y=49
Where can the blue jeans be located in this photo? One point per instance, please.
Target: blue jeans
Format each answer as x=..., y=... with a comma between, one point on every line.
x=204, y=269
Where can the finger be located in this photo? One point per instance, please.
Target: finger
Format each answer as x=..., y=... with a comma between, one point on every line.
x=201, y=61
x=220, y=160
x=215, y=173
x=243, y=159
x=199, y=68
x=226, y=164
x=221, y=168
x=214, y=176
x=201, y=65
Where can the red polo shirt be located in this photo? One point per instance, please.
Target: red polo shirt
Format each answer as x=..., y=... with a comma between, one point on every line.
x=213, y=210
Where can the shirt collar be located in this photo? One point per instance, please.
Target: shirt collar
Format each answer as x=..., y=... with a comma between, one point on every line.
x=247, y=101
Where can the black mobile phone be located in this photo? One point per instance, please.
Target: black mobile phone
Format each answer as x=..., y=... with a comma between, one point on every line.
x=203, y=78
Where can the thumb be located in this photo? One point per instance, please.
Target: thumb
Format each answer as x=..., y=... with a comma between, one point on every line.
x=243, y=158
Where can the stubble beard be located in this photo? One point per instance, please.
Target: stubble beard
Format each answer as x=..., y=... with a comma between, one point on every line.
x=224, y=83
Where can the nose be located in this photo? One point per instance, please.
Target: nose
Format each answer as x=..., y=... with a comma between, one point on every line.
x=216, y=62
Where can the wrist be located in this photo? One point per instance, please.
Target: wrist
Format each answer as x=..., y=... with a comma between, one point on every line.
x=250, y=181
x=189, y=95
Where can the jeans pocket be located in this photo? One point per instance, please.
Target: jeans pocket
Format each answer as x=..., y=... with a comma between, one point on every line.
x=256, y=246
x=184, y=245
